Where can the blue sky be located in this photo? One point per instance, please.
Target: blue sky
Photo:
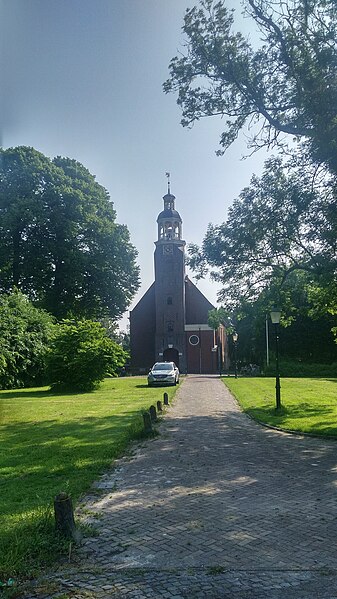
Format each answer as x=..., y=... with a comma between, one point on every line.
x=83, y=78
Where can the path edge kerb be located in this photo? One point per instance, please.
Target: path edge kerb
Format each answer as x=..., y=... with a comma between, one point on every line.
x=277, y=428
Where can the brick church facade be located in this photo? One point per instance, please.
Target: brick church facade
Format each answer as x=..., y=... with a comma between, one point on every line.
x=169, y=323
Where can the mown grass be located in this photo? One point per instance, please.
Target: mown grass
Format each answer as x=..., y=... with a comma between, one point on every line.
x=56, y=442
x=309, y=405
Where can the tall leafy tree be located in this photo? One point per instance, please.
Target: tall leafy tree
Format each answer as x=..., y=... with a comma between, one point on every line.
x=279, y=224
x=283, y=83
x=278, y=85
x=277, y=246
x=306, y=335
x=59, y=240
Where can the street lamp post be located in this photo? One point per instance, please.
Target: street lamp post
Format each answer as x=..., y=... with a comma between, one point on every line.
x=275, y=316
x=235, y=339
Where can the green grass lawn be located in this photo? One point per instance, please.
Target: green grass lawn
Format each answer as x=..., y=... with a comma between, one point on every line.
x=308, y=404
x=54, y=442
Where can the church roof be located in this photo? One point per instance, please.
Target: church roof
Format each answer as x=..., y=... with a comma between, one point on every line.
x=169, y=196
x=169, y=209
x=169, y=213
x=197, y=305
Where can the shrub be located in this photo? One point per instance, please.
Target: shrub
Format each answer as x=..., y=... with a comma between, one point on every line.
x=24, y=335
x=302, y=369
x=81, y=354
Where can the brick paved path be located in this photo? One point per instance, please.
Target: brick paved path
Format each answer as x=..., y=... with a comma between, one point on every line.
x=216, y=506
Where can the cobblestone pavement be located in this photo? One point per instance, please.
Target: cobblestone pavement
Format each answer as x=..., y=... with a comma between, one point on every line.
x=216, y=506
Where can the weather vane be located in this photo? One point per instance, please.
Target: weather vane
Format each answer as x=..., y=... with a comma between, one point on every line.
x=168, y=175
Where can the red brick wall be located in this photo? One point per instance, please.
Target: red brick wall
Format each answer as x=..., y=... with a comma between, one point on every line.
x=200, y=358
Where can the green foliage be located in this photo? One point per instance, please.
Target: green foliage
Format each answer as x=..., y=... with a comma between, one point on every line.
x=24, y=335
x=278, y=225
x=277, y=247
x=81, y=355
x=284, y=82
x=113, y=331
x=280, y=80
x=49, y=443
x=59, y=240
x=305, y=334
x=323, y=299
x=218, y=316
x=298, y=369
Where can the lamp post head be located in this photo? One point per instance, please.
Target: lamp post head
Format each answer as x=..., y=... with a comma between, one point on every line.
x=235, y=337
x=275, y=315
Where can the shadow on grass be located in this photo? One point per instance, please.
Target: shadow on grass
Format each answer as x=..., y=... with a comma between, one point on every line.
x=230, y=462
x=10, y=394
x=162, y=386
x=287, y=418
x=37, y=461
x=40, y=459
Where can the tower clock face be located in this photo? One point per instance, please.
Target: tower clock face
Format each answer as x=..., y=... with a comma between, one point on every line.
x=167, y=250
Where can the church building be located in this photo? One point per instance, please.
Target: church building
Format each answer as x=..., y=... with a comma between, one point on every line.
x=169, y=323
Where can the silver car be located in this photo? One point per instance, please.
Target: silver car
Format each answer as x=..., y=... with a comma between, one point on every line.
x=163, y=373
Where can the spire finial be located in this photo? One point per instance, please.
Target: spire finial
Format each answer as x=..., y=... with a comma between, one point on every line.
x=168, y=175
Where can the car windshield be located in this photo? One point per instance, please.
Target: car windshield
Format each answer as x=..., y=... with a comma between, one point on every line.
x=163, y=366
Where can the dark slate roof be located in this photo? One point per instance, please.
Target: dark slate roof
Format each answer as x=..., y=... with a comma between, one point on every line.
x=169, y=214
x=197, y=305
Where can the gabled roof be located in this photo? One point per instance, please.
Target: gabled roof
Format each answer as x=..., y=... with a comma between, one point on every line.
x=147, y=298
x=197, y=305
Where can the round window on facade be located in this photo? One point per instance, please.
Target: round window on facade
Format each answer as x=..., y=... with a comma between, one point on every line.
x=194, y=340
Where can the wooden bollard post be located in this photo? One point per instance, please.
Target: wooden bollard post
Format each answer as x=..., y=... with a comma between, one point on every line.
x=159, y=406
x=166, y=402
x=147, y=423
x=64, y=516
x=153, y=413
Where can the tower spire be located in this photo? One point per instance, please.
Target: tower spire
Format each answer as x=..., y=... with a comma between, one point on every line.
x=168, y=175
x=169, y=220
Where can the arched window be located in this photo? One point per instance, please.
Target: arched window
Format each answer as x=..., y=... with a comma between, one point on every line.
x=161, y=232
x=170, y=326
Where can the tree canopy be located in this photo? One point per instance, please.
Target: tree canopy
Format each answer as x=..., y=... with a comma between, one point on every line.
x=277, y=85
x=307, y=333
x=59, y=240
x=278, y=246
x=282, y=82
x=279, y=224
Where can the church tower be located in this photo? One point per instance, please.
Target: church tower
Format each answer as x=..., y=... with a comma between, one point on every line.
x=170, y=322
x=169, y=264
